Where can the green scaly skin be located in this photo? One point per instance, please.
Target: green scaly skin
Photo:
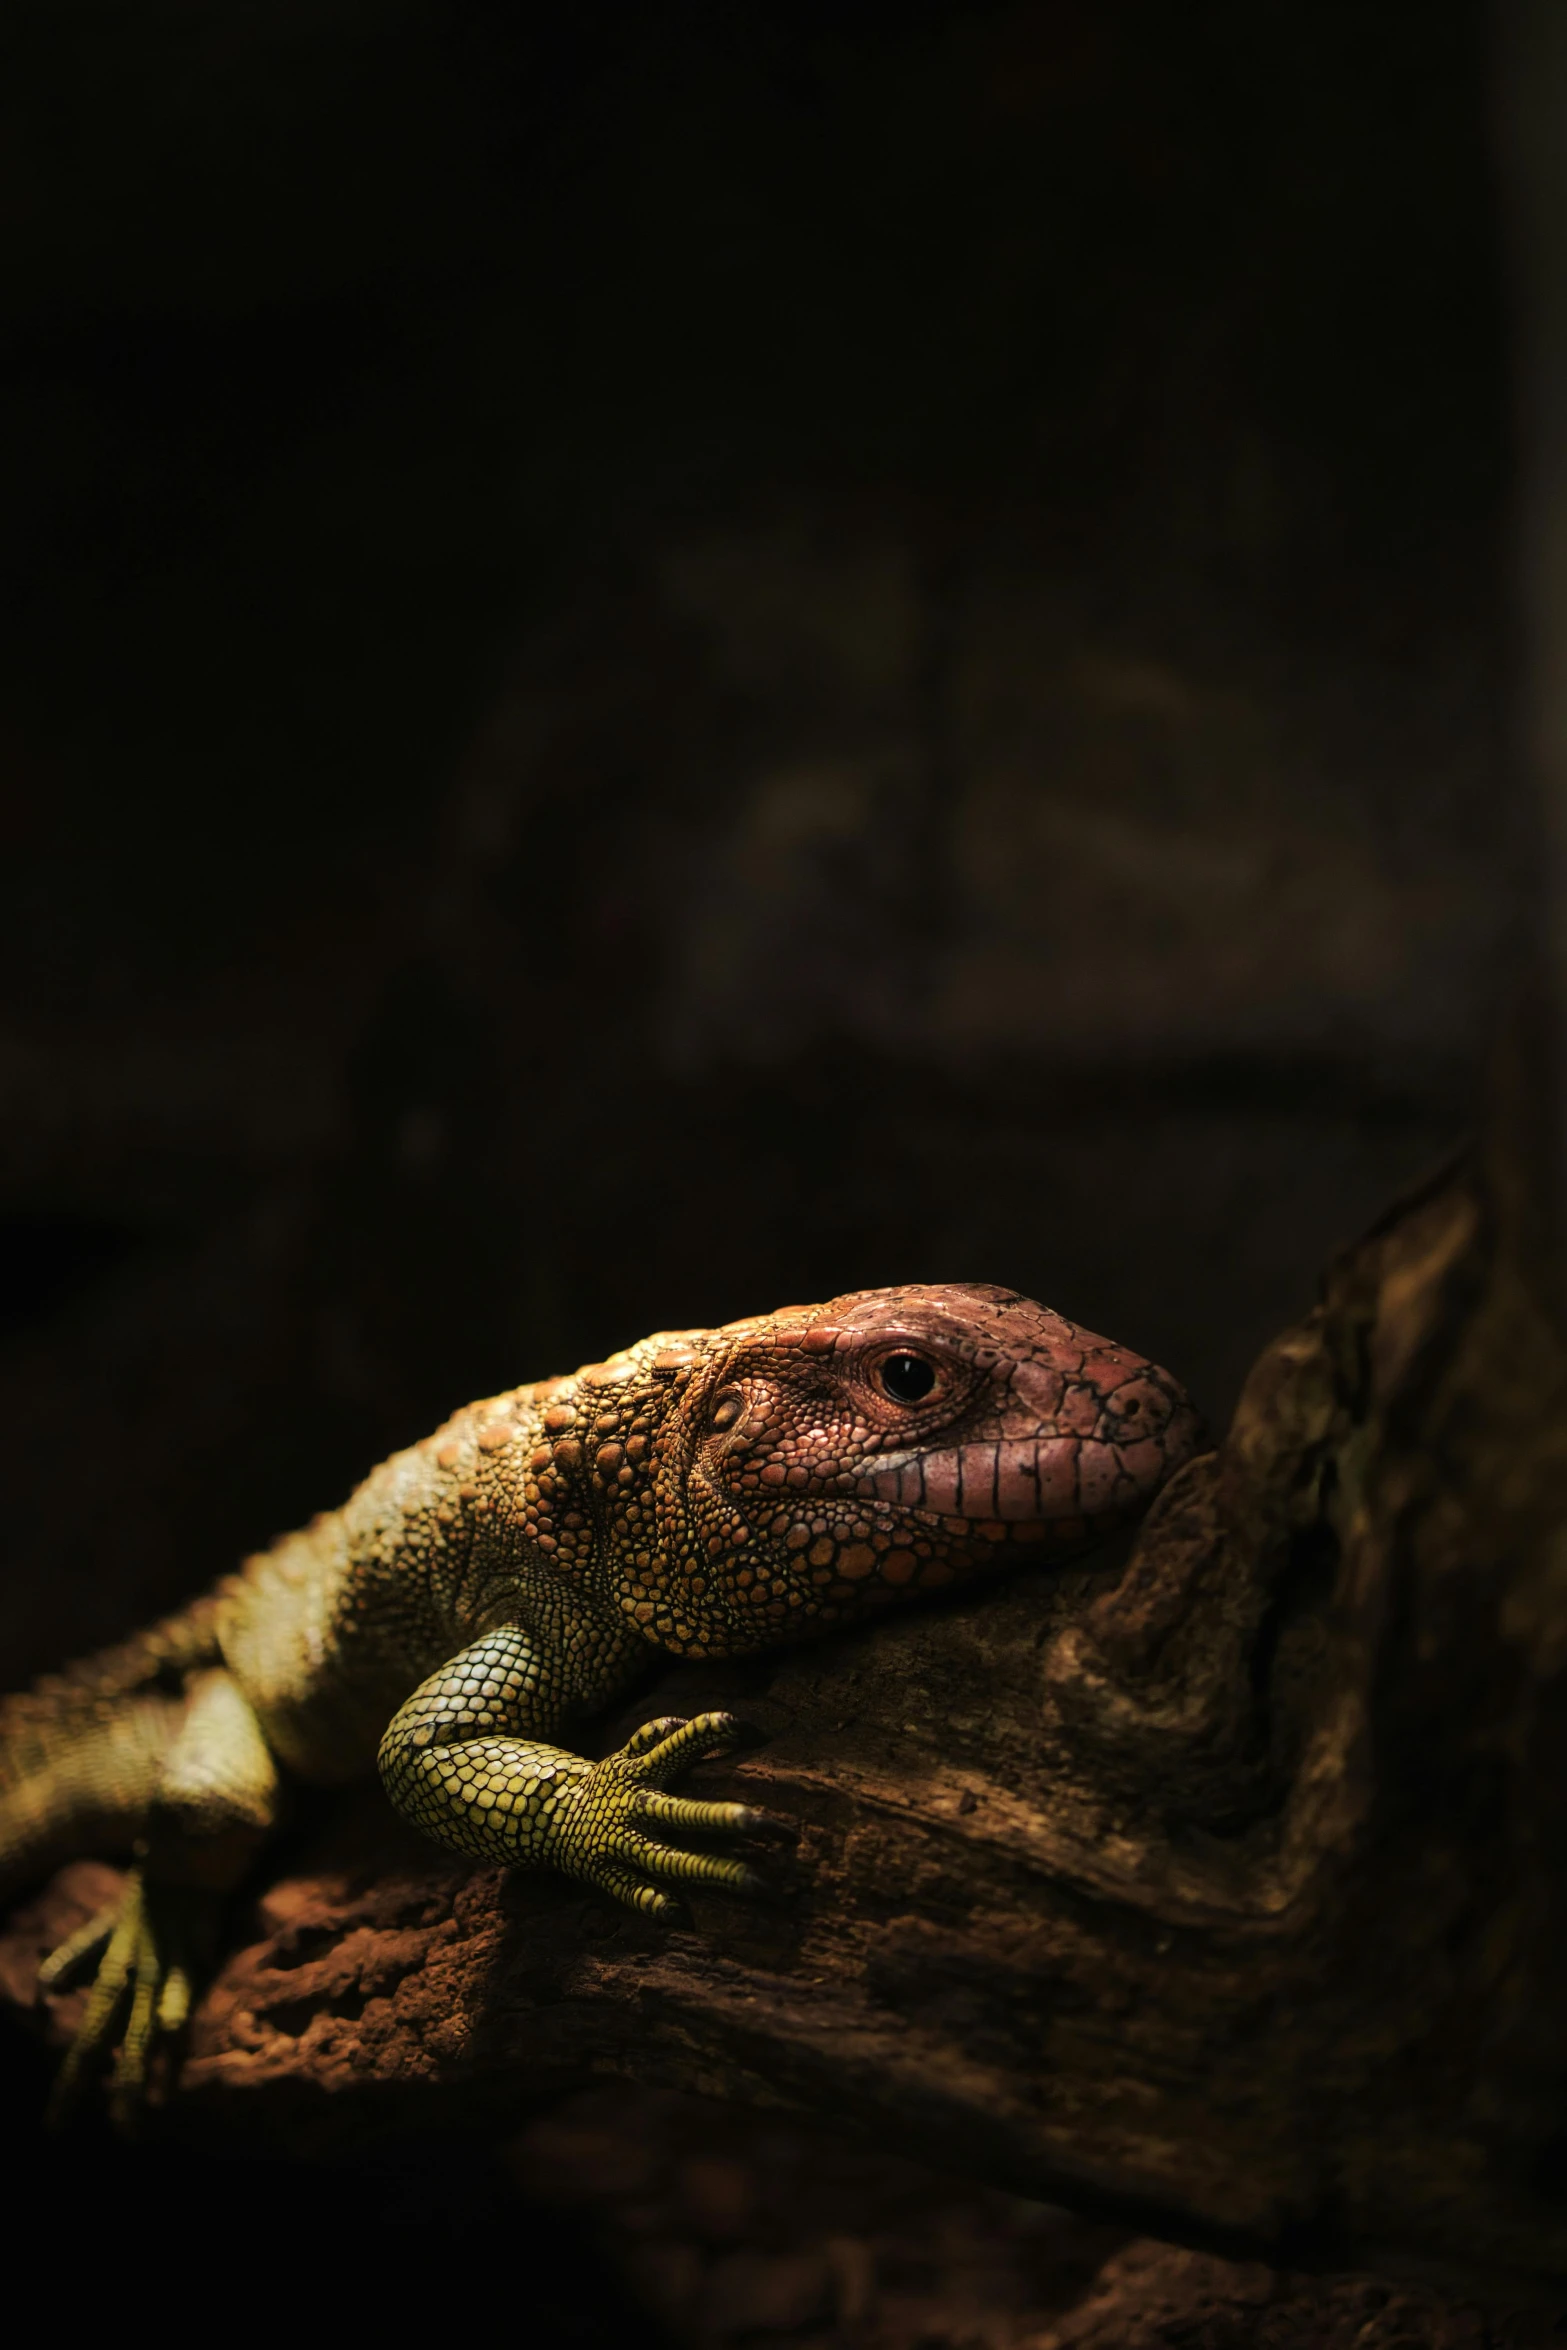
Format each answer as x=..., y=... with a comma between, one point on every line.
x=705, y=1493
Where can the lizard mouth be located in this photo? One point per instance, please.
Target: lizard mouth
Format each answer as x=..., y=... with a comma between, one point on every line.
x=1033, y=1480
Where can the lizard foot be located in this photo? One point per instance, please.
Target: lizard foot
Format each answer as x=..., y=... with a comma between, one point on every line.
x=610, y=1821
x=146, y=1945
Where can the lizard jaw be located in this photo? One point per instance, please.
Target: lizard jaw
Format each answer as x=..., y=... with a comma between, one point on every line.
x=1031, y=1480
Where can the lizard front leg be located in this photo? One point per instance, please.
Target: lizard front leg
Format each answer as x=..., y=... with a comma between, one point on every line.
x=217, y=1798
x=454, y=1764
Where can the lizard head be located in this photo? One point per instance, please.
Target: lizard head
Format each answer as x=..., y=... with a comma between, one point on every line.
x=815, y=1463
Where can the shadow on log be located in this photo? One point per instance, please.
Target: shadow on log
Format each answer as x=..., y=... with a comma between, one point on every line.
x=1219, y=1889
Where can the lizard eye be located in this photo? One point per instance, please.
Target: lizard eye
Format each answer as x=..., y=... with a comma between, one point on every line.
x=907, y=1378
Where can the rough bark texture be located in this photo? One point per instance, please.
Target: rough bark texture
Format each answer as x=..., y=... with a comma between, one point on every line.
x=1222, y=1888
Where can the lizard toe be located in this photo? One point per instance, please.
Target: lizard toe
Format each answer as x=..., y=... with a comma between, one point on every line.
x=623, y=1884
x=679, y=1811
x=703, y=1736
x=652, y=1734
x=67, y=1964
x=144, y=1976
x=701, y=1868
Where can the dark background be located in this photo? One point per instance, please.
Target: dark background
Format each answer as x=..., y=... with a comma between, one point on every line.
x=662, y=662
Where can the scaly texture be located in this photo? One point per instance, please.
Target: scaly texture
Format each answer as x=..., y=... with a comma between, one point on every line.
x=707, y=1492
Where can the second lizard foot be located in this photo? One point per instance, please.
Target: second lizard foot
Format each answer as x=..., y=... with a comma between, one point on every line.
x=147, y=1944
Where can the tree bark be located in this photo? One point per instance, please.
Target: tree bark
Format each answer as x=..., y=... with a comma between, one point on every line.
x=1222, y=1889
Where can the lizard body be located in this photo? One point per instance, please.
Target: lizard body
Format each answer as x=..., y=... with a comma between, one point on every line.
x=705, y=1493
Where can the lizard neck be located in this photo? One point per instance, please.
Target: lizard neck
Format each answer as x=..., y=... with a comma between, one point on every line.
x=551, y=1500
x=602, y=1495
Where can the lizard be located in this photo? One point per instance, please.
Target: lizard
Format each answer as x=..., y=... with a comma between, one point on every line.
x=705, y=1493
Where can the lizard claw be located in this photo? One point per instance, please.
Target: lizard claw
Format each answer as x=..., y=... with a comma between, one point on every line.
x=610, y=1810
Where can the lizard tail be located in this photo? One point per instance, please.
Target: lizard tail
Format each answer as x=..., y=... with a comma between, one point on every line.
x=160, y=1656
x=81, y=1752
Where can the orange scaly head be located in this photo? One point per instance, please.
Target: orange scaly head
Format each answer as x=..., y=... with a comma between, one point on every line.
x=809, y=1465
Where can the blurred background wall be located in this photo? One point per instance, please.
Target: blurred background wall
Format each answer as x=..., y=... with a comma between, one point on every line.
x=658, y=663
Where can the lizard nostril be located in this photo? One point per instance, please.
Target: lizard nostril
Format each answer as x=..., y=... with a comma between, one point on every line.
x=1139, y=1408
